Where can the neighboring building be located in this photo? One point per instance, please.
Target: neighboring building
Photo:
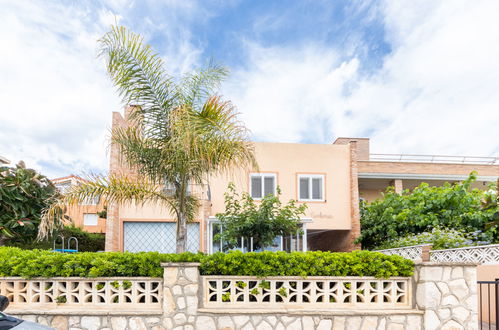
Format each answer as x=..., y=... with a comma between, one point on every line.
x=330, y=178
x=85, y=215
x=4, y=161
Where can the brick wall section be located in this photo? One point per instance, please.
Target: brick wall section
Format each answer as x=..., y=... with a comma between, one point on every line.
x=426, y=168
x=362, y=146
x=354, y=198
x=112, y=223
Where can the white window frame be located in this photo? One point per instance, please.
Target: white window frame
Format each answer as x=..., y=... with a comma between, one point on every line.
x=262, y=175
x=310, y=177
x=96, y=216
x=297, y=247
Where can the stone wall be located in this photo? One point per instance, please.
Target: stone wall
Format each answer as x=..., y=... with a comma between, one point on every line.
x=208, y=321
x=444, y=298
x=447, y=293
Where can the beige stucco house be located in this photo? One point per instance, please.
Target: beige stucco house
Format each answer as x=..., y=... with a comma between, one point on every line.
x=84, y=215
x=330, y=178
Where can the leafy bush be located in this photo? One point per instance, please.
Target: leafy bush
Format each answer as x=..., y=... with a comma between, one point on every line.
x=439, y=238
x=314, y=263
x=412, y=212
x=24, y=193
x=38, y=263
x=87, y=242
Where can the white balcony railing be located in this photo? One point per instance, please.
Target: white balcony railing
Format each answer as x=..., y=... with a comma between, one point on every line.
x=434, y=159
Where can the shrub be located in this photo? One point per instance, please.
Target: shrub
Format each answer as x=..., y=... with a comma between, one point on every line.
x=439, y=238
x=24, y=193
x=87, y=242
x=412, y=212
x=38, y=263
x=314, y=263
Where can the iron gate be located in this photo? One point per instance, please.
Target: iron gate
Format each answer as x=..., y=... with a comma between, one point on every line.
x=488, y=304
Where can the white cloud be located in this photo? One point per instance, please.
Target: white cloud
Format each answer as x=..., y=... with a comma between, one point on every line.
x=435, y=93
x=56, y=97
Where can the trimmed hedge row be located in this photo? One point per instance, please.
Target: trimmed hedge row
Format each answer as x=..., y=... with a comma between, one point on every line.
x=87, y=242
x=39, y=263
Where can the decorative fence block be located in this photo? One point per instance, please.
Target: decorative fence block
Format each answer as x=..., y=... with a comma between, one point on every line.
x=485, y=254
x=414, y=252
x=99, y=293
x=306, y=293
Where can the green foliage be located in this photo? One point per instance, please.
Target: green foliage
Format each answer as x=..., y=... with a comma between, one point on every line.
x=255, y=291
x=24, y=193
x=314, y=263
x=39, y=263
x=263, y=221
x=61, y=300
x=439, y=238
x=491, y=202
x=283, y=292
x=87, y=242
x=264, y=285
x=454, y=206
x=226, y=296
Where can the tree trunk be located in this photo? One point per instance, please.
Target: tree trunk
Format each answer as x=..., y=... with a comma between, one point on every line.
x=181, y=232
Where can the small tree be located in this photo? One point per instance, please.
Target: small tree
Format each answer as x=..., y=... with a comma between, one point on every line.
x=24, y=194
x=263, y=221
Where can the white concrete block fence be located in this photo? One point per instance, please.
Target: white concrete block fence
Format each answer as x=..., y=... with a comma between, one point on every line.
x=438, y=296
x=482, y=254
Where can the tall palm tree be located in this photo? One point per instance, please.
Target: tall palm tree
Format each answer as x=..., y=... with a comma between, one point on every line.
x=180, y=133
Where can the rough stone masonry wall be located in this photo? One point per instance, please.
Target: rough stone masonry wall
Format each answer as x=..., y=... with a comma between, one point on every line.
x=445, y=299
x=448, y=295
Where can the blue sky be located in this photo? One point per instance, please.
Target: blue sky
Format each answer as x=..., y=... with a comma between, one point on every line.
x=414, y=76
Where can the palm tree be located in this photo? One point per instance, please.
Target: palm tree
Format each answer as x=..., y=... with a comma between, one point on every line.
x=180, y=133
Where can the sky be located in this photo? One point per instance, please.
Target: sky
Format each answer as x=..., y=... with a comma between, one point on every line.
x=416, y=77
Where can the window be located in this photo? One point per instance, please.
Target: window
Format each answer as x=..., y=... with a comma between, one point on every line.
x=311, y=187
x=90, y=219
x=290, y=243
x=63, y=186
x=262, y=184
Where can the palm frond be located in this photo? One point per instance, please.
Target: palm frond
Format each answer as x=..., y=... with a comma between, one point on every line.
x=138, y=73
x=196, y=87
x=220, y=142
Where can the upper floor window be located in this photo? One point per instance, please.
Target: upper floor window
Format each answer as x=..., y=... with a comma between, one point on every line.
x=262, y=184
x=90, y=219
x=311, y=187
x=63, y=186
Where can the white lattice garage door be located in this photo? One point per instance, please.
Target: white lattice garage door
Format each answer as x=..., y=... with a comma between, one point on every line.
x=157, y=236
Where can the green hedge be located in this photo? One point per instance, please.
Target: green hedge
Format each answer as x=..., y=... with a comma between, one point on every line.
x=38, y=263
x=87, y=242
